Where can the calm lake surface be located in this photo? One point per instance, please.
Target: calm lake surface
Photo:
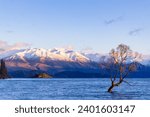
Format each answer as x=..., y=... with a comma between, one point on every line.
x=73, y=89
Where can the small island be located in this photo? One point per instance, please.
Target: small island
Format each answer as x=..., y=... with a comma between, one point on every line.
x=43, y=75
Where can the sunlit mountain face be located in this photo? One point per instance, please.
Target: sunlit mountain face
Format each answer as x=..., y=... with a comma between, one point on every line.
x=58, y=54
x=40, y=54
x=28, y=62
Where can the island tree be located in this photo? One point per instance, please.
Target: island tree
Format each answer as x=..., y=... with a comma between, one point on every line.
x=3, y=70
x=120, y=62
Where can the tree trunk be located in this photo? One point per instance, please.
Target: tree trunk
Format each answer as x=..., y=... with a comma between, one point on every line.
x=113, y=84
x=111, y=87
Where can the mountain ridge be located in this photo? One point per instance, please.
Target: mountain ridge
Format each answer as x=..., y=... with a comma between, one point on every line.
x=29, y=62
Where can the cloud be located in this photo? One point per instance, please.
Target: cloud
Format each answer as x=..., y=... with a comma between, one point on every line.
x=9, y=31
x=5, y=46
x=135, y=31
x=3, y=43
x=111, y=21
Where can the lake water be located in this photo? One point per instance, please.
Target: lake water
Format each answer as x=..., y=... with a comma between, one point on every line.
x=73, y=89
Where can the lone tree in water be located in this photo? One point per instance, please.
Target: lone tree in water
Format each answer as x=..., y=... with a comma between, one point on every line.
x=119, y=64
x=3, y=70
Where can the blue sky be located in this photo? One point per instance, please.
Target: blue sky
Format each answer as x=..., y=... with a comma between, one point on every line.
x=83, y=24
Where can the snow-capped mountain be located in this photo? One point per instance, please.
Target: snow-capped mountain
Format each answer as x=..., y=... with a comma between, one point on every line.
x=28, y=62
x=57, y=54
x=95, y=57
x=145, y=60
x=47, y=60
x=10, y=53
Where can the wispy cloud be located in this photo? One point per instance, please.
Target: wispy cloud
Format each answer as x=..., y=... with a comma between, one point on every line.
x=111, y=21
x=5, y=46
x=9, y=31
x=135, y=31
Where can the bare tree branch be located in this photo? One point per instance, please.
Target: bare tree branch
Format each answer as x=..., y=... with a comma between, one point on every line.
x=127, y=82
x=121, y=62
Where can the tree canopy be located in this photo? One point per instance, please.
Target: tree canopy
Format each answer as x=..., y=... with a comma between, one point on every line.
x=120, y=63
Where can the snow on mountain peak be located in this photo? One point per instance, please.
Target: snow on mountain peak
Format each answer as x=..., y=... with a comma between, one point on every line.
x=52, y=54
x=10, y=53
x=58, y=54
